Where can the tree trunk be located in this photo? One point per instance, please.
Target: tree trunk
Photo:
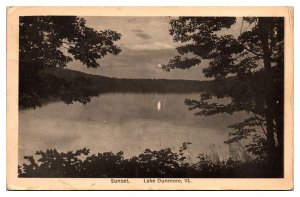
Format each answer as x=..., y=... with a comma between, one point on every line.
x=265, y=29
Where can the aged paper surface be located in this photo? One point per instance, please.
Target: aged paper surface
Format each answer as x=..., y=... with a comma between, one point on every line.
x=14, y=182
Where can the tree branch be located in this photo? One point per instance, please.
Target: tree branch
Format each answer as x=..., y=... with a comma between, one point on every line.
x=260, y=125
x=242, y=26
x=259, y=55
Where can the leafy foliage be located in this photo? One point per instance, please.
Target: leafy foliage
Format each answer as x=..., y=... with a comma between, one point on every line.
x=54, y=41
x=163, y=163
x=255, y=56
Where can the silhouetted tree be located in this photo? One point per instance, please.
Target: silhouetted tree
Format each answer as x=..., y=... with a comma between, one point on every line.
x=255, y=56
x=54, y=41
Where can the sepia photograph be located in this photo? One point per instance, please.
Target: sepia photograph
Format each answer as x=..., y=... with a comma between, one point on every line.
x=160, y=99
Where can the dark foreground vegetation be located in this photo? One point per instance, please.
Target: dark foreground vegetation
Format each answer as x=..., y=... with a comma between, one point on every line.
x=164, y=163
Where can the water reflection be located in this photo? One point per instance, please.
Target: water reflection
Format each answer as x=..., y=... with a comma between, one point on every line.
x=123, y=122
x=158, y=106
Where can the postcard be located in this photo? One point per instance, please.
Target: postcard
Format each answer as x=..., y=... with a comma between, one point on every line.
x=150, y=98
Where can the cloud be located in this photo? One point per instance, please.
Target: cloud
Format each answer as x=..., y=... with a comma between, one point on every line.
x=141, y=34
x=132, y=63
x=138, y=33
x=152, y=46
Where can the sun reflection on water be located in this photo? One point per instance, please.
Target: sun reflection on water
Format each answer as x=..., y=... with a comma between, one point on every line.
x=158, y=106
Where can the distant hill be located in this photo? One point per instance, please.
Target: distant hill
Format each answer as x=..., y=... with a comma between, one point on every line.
x=104, y=84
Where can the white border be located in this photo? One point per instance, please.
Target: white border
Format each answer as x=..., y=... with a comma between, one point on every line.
x=4, y=3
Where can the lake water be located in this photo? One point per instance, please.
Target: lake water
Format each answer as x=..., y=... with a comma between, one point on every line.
x=127, y=122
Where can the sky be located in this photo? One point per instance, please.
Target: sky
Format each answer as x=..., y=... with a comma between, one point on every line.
x=145, y=44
